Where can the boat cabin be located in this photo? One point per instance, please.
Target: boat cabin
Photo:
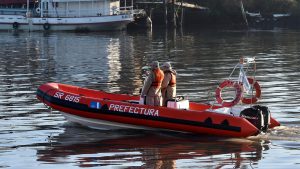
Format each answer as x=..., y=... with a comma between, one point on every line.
x=15, y=7
x=13, y=3
x=77, y=8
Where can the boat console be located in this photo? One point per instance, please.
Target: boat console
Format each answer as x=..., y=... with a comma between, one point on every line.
x=179, y=103
x=182, y=104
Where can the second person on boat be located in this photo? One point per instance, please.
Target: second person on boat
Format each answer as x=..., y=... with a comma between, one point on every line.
x=168, y=88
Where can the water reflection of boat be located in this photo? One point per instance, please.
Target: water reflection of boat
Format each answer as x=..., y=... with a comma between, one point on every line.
x=93, y=15
x=90, y=148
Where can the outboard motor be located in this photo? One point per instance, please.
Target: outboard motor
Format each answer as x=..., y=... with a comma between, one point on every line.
x=266, y=115
x=258, y=115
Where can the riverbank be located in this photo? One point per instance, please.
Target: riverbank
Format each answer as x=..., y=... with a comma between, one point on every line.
x=225, y=13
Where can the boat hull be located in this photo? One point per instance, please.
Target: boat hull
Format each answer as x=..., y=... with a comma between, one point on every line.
x=101, y=23
x=101, y=124
x=97, y=109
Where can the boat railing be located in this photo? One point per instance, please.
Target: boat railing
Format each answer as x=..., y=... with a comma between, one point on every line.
x=70, y=13
x=126, y=10
x=84, y=13
x=14, y=11
x=139, y=12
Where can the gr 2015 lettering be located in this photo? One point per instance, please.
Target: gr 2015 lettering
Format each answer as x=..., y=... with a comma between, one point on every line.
x=68, y=97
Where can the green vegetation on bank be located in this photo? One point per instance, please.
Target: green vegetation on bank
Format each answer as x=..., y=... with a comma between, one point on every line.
x=230, y=11
x=221, y=7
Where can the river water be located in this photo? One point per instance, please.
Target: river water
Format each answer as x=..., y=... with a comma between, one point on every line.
x=32, y=136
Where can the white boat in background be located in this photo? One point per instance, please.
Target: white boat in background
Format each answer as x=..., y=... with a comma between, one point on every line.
x=67, y=15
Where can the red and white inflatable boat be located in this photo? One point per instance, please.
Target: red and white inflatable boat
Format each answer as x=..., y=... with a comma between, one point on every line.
x=98, y=109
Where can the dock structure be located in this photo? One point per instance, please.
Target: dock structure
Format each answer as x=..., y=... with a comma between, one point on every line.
x=172, y=10
x=169, y=15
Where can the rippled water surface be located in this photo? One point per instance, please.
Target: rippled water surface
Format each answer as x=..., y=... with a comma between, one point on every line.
x=31, y=136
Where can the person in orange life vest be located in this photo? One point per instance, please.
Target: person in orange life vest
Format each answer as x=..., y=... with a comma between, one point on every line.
x=168, y=86
x=152, y=86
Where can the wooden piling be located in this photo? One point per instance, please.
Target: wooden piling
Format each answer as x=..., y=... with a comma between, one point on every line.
x=174, y=13
x=181, y=14
x=165, y=2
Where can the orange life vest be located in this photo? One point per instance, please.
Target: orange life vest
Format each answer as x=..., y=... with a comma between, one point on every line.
x=158, y=77
x=172, y=82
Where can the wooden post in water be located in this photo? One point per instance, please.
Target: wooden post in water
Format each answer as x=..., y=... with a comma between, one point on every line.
x=174, y=13
x=166, y=11
x=181, y=14
x=243, y=12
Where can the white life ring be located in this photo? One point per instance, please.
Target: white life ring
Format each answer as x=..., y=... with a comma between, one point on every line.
x=15, y=25
x=238, y=90
x=46, y=26
x=257, y=95
x=38, y=10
